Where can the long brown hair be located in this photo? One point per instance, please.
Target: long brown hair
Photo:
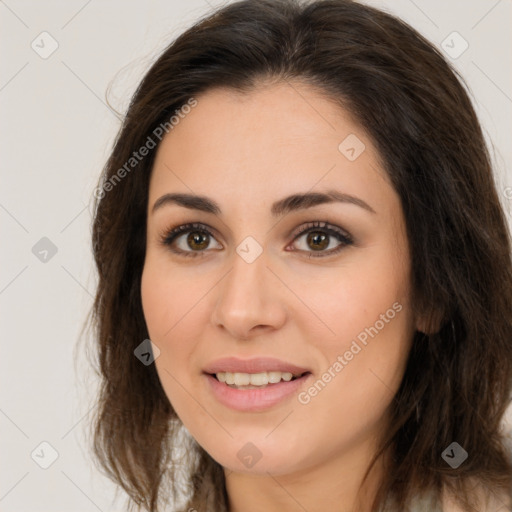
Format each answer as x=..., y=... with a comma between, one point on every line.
x=416, y=110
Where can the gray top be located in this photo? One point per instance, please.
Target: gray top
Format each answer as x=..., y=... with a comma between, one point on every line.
x=425, y=503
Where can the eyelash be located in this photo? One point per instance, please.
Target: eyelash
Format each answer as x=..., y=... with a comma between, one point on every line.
x=168, y=237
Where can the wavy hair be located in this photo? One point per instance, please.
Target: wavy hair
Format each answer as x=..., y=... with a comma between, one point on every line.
x=417, y=112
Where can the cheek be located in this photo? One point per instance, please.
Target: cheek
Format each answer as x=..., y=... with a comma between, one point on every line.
x=349, y=399
x=370, y=328
x=172, y=308
x=169, y=297
x=163, y=310
x=345, y=301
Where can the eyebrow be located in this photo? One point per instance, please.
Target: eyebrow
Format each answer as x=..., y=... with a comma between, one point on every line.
x=288, y=204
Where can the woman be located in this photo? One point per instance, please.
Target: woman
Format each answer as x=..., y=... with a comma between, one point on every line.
x=299, y=212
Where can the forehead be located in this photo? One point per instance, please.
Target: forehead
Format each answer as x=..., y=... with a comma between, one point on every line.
x=285, y=136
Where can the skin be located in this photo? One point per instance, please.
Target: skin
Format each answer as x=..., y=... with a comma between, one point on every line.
x=245, y=152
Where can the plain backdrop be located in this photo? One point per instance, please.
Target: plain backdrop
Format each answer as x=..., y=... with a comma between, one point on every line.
x=56, y=133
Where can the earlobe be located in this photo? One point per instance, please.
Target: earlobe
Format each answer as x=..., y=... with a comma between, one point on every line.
x=430, y=322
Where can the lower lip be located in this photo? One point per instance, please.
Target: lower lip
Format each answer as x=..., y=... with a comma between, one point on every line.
x=254, y=400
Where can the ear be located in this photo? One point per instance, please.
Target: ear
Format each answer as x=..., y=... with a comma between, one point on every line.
x=431, y=321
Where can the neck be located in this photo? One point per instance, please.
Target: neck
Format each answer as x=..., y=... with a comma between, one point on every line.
x=334, y=486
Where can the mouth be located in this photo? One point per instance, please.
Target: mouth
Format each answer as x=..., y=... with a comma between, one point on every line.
x=254, y=392
x=254, y=385
x=260, y=380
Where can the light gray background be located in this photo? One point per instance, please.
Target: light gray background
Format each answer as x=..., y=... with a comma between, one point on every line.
x=56, y=132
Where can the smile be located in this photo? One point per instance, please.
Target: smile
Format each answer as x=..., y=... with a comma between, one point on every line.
x=254, y=392
x=254, y=380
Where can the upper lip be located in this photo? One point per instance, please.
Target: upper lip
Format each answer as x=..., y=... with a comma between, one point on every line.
x=254, y=365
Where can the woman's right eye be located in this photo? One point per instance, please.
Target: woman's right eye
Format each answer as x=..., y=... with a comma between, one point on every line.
x=196, y=241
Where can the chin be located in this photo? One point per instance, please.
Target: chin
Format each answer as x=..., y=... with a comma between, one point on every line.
x=251, y=460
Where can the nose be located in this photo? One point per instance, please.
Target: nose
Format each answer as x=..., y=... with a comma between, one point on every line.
x=249, y=299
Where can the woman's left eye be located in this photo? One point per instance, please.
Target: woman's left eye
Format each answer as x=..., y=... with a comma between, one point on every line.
x=317, y=236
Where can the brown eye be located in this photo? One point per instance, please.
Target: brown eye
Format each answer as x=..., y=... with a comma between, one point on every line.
x=321, y=238
x=196, y=242
x=317, y=240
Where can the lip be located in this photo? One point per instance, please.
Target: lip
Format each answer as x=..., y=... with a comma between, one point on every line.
x=254, y=400
x=254, y=365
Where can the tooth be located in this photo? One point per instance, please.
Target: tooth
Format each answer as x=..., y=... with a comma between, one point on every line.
x=241, y=379
x=274, y=377
x=259, y=379
x=250, y=380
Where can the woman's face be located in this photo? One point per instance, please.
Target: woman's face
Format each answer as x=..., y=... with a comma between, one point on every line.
x=322, y=287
